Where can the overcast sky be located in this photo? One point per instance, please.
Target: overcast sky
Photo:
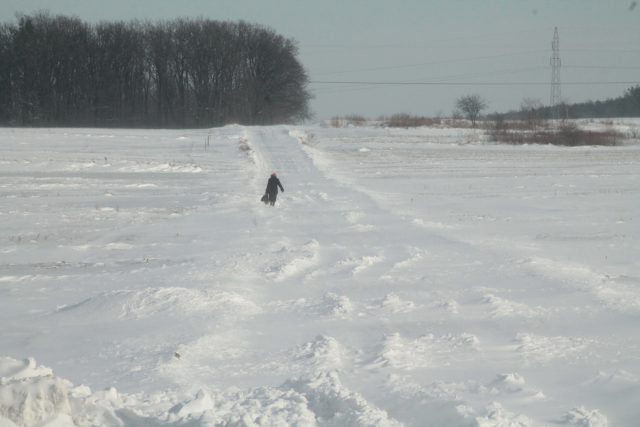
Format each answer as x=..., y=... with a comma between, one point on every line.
x=498, y=49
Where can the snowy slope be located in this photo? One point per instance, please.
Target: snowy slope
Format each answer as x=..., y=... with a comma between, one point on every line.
x=404, y=277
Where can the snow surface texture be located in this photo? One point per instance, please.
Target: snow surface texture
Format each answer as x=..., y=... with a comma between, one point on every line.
x=405, y=277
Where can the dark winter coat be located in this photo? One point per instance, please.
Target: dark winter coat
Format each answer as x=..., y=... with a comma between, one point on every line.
x=272, y=186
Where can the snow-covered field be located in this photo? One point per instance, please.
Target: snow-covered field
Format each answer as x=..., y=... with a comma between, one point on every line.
x=405, y=277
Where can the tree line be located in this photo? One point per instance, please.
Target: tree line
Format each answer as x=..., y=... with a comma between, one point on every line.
x=627, y=105
x=61, y=71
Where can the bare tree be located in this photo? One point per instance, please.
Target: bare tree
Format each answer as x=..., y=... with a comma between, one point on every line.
x=471, y=106
x=531, y=109
x=61, y=71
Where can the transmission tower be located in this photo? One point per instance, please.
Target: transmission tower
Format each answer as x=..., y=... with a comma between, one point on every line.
x=556, y=96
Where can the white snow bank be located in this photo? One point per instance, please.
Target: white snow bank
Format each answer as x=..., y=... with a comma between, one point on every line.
x=497, y=416
x=502, y=307
x=427, y=351
x=322, y=354
x=31, y=395
x=583, y=417
x=335, y=405
x=395, y=304
x=319, y=400
x=261, y=406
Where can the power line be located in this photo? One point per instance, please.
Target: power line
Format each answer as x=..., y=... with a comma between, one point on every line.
x=421, y=64
x=352, y=88
x=601, y=50
x=602, y=67
x=440, y=83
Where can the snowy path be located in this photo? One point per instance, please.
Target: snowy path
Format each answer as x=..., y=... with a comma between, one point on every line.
x=371, y=294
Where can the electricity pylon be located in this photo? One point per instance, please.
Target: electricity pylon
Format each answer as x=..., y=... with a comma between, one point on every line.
x=556, y=96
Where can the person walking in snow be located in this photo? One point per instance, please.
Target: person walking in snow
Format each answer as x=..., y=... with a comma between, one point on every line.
x=271, y=192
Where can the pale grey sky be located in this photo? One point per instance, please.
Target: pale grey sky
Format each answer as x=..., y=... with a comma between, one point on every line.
x=499, y=49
